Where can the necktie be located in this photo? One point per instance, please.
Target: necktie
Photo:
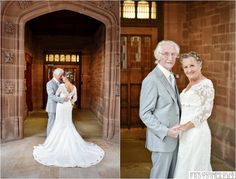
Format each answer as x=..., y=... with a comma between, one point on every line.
x=172, y=81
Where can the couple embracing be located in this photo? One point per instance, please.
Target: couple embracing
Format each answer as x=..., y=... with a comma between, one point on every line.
x=177, y=133
x=64, y=147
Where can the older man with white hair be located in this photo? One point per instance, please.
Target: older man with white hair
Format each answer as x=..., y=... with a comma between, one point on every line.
x=160, y=110
x=52, y=101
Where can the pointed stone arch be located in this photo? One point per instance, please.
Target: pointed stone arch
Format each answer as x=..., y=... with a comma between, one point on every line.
x=14, y=17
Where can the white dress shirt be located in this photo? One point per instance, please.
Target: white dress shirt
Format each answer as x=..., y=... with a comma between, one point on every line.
x=58, y=83
x=168, y=75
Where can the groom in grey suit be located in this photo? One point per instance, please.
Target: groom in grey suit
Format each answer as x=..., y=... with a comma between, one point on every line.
x=160, y=111
x=52, y=101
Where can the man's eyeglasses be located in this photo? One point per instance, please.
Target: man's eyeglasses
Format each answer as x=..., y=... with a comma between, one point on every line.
x=167, y=54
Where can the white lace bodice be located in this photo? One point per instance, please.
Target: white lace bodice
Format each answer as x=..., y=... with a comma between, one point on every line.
x=197, y=104
x=198, y=101
x=62, y=92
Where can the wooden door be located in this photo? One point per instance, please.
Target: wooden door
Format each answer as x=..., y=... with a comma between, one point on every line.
x=28, y=79
x=136, y=63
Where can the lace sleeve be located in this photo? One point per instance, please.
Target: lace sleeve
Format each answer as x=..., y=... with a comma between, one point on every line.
x=74, y=95
x=206, y=94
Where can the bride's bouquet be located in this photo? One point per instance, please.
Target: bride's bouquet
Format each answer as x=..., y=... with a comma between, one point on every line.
x=72, y=103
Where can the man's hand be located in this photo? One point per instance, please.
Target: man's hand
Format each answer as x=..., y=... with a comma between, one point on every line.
x=66, y=99
x=186, y=126
x=173, y=132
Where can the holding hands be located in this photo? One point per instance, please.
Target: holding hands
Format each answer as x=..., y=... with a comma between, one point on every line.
x=174, y=131
x=66, y=98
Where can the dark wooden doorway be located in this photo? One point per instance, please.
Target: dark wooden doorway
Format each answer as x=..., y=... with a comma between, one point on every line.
x=28, y=79
x=136, y=62
x=73, y=67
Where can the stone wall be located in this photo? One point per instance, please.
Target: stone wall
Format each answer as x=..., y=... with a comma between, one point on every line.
x=174, y=19
x=209, y=29
x=96, y=73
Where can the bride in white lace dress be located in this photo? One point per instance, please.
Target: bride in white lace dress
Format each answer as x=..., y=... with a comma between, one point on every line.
x=197, y=102
x=64, y=147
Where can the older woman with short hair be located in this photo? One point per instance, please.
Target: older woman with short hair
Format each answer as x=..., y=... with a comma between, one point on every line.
x=197, y=103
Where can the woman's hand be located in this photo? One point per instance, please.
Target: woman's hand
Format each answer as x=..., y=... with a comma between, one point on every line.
x=182, y=127
x=66, y=99
x=186, y=126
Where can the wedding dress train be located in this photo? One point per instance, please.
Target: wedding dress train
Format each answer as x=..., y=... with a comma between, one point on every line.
x=64, y=147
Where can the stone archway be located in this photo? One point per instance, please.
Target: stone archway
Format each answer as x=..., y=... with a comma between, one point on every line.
x=14, y=16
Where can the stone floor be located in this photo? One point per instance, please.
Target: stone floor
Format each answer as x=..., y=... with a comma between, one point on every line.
x=17, y=160
x=136, y=159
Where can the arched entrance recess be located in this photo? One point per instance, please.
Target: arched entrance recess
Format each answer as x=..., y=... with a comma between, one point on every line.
x=14, y=16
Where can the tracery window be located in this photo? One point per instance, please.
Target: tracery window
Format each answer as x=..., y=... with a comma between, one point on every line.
x=129, y=9
x=154, y=10
x=141, y=9
x=51, y=57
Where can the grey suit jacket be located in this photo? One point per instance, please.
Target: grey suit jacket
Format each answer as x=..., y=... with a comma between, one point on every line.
x=52, y=98
x=160, y=109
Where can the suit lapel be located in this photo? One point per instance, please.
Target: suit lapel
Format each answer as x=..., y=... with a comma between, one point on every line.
x=178, y=98
x=165, y=82
x=55, y=85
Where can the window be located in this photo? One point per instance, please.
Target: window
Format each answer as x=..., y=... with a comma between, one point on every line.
x=57, y=58
x=129, y=9
x=141, y=9
x=153, y=11
x=62, y=58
